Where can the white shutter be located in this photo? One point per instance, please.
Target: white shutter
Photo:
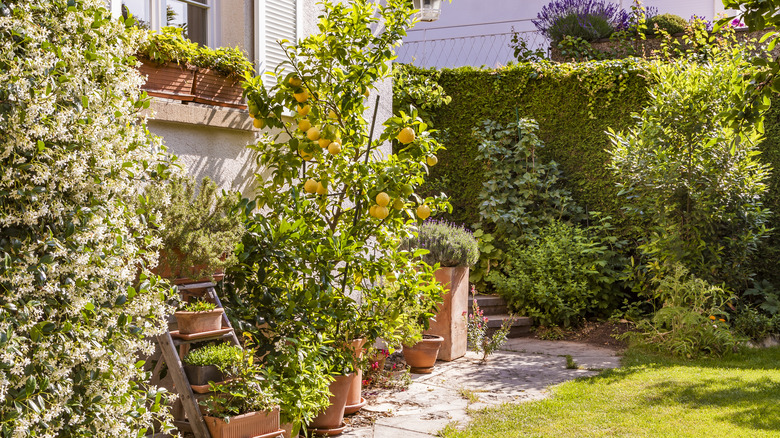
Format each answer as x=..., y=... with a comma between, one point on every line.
x=277, y=20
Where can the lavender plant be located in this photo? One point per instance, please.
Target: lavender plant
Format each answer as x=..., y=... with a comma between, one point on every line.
x=587, y=19
x=447, y=244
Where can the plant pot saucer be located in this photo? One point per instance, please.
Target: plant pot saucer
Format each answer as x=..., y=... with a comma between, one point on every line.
x=328, y=432
x=351, y=409
x=421, y=370
x=208, y=334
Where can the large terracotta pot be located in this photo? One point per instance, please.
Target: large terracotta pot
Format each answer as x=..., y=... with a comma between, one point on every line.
x=333, y=417
x=215, y=89
x=169, y=80
x=449, y=322
x=422, y=355
x=354, y=397
x=263, y=424
x=199, y=322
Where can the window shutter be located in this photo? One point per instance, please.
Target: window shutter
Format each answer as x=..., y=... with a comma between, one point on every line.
x=279, y=23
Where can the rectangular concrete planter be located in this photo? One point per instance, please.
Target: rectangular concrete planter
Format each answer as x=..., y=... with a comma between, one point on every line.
x=169, y=80
x=449, y=322
x=215, y=89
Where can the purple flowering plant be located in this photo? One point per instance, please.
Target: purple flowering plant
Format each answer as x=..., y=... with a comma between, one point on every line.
x=448, y=244
x=586, y=19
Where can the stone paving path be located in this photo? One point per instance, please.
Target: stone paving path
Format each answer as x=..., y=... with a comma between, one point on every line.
x=521, y=371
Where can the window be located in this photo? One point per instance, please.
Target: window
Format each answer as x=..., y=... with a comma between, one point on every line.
x=194, y=16
x=275, y=20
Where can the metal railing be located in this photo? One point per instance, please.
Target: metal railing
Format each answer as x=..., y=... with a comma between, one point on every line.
x=488, y=50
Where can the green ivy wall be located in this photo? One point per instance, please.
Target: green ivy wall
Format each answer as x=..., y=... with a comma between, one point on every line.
x=574, y=105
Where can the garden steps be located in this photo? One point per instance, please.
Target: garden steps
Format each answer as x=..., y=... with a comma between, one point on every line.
x=495, y=309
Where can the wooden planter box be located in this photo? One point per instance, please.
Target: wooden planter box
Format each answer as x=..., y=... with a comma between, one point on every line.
x=252, y=425
x=449, y=322
x=171, y=80
x=215, y=89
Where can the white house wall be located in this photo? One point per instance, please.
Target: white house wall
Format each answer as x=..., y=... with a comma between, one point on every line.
x=211, y=141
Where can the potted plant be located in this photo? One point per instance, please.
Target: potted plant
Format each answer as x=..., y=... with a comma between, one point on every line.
x=211, y=363
x=199, y=228
x=166, y=62
x=180, y=69
x=453, y=249
x=198, y=317
x=243, y=406
x=219, y=75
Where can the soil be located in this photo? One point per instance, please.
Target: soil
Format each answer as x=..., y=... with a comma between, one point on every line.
x=601, y=334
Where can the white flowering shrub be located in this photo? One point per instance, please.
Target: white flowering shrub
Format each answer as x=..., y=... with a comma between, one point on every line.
x=77, y=302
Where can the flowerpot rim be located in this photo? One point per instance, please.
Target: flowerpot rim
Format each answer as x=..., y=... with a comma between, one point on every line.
x=201, y=312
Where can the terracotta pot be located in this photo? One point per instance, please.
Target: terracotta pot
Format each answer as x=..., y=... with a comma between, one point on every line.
x=199, y=322
x=213, y=88
x=449, y=322
x=422, y=355
x=333, y=416
x=170, y=80
x=175, y=276
x=263, y=424
x=356, y=385
x=202, y=375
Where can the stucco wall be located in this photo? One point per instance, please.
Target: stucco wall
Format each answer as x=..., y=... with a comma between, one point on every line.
x=211, y=141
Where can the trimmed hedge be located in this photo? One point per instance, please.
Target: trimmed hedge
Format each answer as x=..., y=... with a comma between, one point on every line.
x=574, y=104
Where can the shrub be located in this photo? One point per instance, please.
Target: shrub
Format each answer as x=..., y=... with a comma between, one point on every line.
x=754, y=324
x=695, y=181
x=691, y=319
x=668, y=23
x=558, y=277
x=447, y=244
x=200, y=227
x=78, y=304
x=587, y=19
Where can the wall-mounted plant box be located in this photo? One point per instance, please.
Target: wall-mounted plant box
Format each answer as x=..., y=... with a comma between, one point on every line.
x=169, y=80
x=215, y=89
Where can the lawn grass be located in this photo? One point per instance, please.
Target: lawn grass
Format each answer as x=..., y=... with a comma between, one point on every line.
x=651, y=396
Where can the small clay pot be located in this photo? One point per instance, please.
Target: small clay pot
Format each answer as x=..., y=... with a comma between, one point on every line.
x=422, y=355
x=333, y=416
x=199, y=322
x=263, y=424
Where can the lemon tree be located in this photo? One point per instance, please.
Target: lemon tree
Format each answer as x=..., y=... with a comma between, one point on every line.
x=321, y=261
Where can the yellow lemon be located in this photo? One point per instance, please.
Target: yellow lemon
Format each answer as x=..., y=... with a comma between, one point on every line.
x=305, y=155
x=334, y=148
x=423, y=212
x=398, y=204
x=407, y=190
x=372, y=210
x=295, y=81
x=332, y=115
x=432, y=160
x=304, y=125
x=324, y=142
x=381, y=212
x=303, y=110
x=313, y=133
x=383, y=199
x=310, y=186
x=258, y=123
x=301, y=97
x=321, y=189
x=406, y=135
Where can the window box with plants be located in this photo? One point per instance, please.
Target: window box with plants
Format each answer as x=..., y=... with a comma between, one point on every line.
x=177, y=68
x=454, y=249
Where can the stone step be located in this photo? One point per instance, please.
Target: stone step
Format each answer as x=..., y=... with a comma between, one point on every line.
x=489, y=304
x=520, y=328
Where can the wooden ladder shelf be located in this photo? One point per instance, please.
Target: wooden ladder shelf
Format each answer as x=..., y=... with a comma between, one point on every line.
x=191, y=419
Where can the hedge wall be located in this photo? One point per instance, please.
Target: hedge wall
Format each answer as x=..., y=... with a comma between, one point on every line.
x=574, y=104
